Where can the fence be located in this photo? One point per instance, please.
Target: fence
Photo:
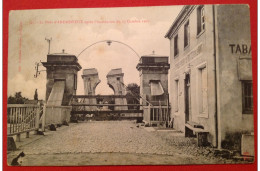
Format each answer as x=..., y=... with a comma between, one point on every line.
x=156, y=114
x=22, y=118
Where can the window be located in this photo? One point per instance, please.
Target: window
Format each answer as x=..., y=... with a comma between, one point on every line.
x=176, y=100
x=176, y=49
x=156, y=88
x=200, y=19
x=186, y=34
x=203, y=90
x=147, y=60
x=247, y=97
x=75, y=81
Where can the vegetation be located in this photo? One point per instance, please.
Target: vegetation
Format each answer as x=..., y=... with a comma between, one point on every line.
x=36, y=95
x=133, y=91
x=17, y=99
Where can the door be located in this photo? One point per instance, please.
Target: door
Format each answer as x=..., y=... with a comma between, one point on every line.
x=187, y=98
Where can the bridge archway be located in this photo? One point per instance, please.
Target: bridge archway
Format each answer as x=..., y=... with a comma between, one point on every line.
x=103, y=60
x=105, y=55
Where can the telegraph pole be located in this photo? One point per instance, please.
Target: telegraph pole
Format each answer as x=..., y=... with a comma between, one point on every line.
x=49, y=41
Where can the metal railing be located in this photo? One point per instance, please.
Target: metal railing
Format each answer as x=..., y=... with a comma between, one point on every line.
x=22, y=118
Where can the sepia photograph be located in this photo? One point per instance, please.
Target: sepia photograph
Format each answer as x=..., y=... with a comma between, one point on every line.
x=151, y=85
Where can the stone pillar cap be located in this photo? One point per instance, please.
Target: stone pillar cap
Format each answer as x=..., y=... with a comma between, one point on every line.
x=117, y=71
x=90, y=71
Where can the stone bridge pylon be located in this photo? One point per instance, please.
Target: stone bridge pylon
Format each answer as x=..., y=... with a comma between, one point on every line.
x=115, y=81
x=91, y=80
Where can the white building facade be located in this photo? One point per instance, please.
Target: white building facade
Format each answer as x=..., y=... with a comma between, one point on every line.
x=211, y=71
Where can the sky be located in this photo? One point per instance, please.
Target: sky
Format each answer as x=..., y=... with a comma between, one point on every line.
x=141, y=28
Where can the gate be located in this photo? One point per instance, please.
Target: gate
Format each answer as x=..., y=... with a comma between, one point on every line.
x=158, y=115
x=22, y=118
x=102, y=111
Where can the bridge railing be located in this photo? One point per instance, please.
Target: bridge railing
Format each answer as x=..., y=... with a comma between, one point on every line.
x=22, y=118
x=156, y=114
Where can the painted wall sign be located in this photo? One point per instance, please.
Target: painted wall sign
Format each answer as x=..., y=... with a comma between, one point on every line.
x=189, y=57
x=240, y=49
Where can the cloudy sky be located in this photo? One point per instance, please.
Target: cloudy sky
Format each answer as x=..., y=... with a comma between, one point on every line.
x=29, y=28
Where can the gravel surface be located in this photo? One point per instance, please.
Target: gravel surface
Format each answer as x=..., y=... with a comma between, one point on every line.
x=113, y=143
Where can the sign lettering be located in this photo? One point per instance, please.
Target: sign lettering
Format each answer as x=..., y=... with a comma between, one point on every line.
x=240, y=49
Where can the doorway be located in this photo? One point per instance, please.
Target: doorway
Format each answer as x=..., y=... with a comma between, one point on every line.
x=187, y=93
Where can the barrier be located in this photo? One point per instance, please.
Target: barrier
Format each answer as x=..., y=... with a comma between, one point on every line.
x=156, y=114
x=22, y=118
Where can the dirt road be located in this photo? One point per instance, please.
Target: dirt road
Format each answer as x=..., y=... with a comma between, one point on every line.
x=105, y=143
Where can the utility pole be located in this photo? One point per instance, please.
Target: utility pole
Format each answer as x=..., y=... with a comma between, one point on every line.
x=49, y=41
x=37, y=65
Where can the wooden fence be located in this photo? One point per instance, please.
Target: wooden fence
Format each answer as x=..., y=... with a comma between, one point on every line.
x=22, y=118
x=156, y=114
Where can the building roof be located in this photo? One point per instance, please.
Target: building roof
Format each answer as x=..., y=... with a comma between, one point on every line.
x=60, y=54
x=154, y=56
x=181, y=16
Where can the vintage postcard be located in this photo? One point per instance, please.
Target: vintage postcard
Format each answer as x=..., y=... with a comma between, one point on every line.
x=157, y=85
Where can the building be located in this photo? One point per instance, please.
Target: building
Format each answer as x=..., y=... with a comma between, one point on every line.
x=153, y=72
x=211, y=72
x=62, y=70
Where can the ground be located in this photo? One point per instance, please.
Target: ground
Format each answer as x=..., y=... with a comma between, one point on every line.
x=111, y=143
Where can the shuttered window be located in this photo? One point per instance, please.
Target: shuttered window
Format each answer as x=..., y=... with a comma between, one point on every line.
x=247, y=97
x=176, y=48
x=176, y=94
x=202, y=90
x=200, y=19
x=75, y=81
x=186, y=34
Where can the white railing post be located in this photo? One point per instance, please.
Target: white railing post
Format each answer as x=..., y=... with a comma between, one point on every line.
x=167, y=113
x=16, y=118
x=37, y=119
x=149, y=114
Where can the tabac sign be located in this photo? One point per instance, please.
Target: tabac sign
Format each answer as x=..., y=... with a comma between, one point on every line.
x=244, y=62
x=243, y=49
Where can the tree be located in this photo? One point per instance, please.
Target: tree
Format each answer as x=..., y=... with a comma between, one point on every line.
x=134, y=88
x=16, y=99
x=36, y=95
x=133, y=91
